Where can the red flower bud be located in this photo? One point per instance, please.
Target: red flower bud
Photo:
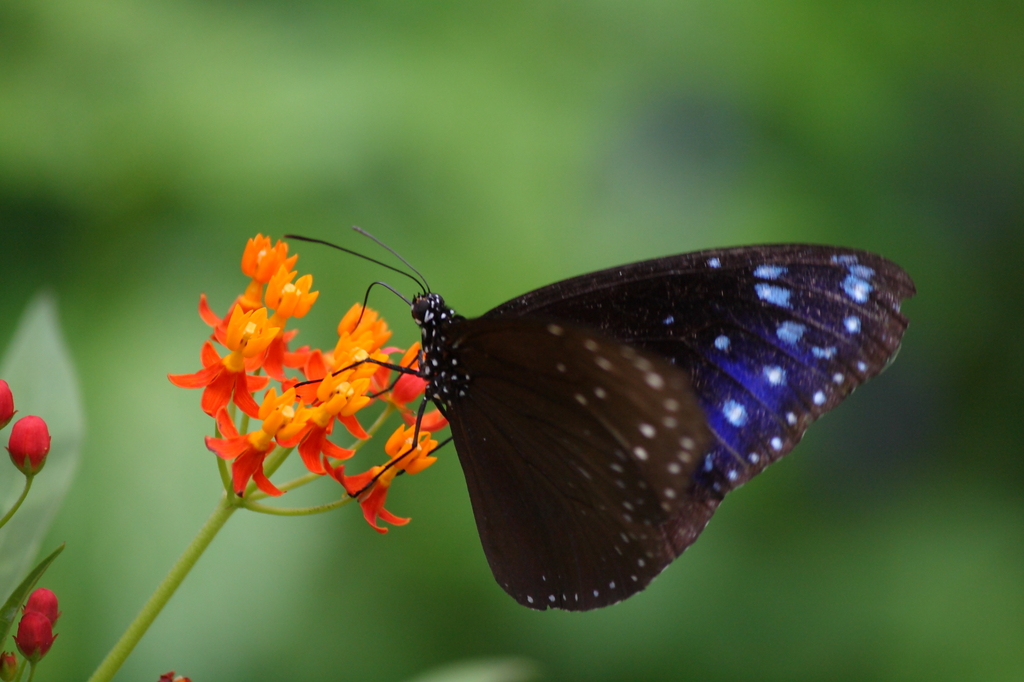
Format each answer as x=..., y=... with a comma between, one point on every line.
x=169, y=677
x=29, y=444
x=8, y=666
x=45, y=602
x=6, y=404
x=35, y=636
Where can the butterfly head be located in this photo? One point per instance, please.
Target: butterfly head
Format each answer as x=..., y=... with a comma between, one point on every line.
x=434, y=317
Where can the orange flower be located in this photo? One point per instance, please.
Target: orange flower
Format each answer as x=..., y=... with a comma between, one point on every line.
x=247, y=335
x=404, y=457
x=368, y=336
x=287, y=300
x=337, y=398
x=250, y=450
x=260, y=261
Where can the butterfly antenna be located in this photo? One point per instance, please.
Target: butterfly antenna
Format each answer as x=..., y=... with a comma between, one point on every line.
x=421, y=283
x=366, y=298
x=393, y=253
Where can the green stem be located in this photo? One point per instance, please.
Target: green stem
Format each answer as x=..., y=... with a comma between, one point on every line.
x=225, y=476
x=24, y=494
x=31, y=671
x=296, y=511
x=164, y=591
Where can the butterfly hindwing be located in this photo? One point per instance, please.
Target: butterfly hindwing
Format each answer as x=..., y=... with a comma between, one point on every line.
x=577, y=449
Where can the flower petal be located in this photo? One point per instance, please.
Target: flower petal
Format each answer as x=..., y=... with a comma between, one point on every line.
x=264, y=484
x=243, y=398
x=207, y=315
x=336, y=452
x=217, y=393
x=310, y=447
x=227, y=448
x=225, y=424
x=200, y=379
x=354, y=427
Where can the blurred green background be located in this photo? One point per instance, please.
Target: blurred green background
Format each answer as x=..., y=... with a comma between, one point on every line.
x=502, y=147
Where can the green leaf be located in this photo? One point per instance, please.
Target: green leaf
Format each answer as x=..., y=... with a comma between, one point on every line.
x=9, y=611
x=39, y=370
x=487, y=670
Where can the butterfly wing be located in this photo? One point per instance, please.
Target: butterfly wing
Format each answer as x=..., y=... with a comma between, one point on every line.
x=577, y=449
x=771, y=336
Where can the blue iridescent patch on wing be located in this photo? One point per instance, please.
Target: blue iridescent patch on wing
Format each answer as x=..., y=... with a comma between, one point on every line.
x=794, y=341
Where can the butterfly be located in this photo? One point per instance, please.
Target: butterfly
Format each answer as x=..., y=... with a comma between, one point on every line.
x=600, y=420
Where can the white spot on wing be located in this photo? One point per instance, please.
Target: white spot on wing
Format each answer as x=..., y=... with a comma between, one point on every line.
x=862, y=271
x=769, y=271
x=790, y=332
x=819, y=398
x=714, y=263
x=852, y=324
x=773, y=294
x=722, y=342
x=734, y=412
x=640, y=453
x=775, y=375
x=857, y=288
x=647, y=430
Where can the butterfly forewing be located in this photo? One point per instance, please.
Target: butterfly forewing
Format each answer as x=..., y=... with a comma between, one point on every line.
x=772, y=337
x=577, y=450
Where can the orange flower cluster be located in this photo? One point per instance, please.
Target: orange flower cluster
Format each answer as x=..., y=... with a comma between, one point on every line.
x=327, y=387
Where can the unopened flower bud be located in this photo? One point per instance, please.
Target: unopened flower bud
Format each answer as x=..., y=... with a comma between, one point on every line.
x=29, y=444
x=169, y=677
x=45, y=602
x=8, y=666
x=35, y=636
x=6, y=404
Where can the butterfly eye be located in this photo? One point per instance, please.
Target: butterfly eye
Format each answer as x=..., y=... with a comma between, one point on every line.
x=420, y=308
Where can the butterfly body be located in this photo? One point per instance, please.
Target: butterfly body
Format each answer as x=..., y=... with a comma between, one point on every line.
x=601, y=419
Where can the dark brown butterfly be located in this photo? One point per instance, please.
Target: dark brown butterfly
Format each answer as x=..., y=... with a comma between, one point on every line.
x=601, y=419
